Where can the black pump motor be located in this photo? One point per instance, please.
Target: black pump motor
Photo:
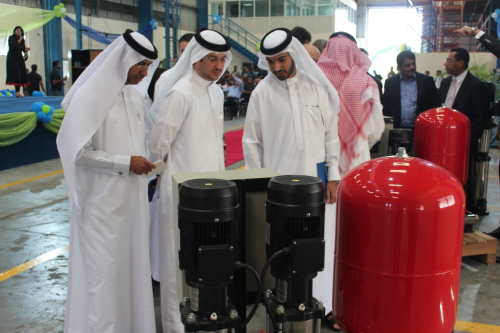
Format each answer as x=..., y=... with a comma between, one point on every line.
x=208, y=221
x=295, y=222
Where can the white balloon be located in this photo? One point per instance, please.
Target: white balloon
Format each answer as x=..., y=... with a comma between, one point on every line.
x=63, y=10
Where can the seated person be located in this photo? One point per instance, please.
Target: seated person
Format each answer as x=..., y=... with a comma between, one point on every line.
x=234, y=95
x=247, y=90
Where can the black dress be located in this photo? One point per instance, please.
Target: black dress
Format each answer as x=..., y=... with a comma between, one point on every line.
x=16, y=68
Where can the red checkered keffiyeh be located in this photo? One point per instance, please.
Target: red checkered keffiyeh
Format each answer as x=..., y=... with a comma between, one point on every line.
x=346, y=68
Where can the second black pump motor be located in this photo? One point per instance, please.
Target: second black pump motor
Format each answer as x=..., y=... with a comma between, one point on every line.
x=295, y=248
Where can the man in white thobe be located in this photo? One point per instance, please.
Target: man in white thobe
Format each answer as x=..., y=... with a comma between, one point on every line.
x=154, y=205
x=103, y=151
x=291, y=127
x=361, y=122
x=188, y=136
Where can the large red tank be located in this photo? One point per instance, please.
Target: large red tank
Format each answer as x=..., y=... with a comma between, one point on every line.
x=442, y=136
x=398, y=248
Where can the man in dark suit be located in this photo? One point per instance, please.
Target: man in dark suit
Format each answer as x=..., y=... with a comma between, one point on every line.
x=493, y=45
x=408, y=94
x=464, y=92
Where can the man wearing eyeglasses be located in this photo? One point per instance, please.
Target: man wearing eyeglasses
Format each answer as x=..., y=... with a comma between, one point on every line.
x=102, y=144
x=187, y=135
x=464, y=92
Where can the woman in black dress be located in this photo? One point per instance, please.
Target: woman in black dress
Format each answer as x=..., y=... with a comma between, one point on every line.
x=16, y=68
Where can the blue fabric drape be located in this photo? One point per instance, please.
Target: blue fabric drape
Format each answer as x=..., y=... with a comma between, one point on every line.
x=100, y=37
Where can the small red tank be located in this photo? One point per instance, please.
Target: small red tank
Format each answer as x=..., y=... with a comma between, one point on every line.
x=398, y=252
x=442, y=136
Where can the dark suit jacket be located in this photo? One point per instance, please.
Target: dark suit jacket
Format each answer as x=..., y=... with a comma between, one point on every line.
x=472, y=101
x=426, y=96
x=491, y=44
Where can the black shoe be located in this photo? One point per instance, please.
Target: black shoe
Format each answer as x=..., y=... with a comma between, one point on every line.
x=495, y=233
x=330, y=322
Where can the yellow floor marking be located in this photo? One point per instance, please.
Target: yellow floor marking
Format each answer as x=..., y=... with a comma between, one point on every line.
x=492, y=176
x=233, y=128
x=475, y=327
x=492, y=207
x=32, y=263
x=30, y=179
x=241, y=168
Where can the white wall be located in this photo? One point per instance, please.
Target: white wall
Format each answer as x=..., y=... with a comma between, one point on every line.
x=434, y=61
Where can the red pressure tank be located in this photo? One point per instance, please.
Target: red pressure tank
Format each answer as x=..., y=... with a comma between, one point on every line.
x=442, y=136
x=398, y=253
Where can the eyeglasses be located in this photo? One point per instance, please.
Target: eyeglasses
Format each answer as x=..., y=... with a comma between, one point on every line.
x=214, y=60
x=141, y=66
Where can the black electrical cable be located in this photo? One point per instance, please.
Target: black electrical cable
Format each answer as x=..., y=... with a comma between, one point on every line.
x=257, y=300
x=262, y=279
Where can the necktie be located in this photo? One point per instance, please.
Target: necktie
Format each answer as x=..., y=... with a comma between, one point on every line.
x=451, y=93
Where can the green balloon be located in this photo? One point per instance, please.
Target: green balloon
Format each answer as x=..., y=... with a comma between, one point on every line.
x=63, y=15
x=58, y=14
x=61, y=5
x=45, y=109
x=8, y=94
x=57, y=8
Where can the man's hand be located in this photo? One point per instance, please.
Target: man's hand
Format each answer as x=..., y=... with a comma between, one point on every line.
x=27, y=49
x=331, y=191
x=467, y=31
x=140, y=165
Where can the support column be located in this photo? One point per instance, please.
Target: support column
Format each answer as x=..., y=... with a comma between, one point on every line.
x=144, y=15
x=52, y=42
x=167, y=34
x=78, y=19
x=202, y=14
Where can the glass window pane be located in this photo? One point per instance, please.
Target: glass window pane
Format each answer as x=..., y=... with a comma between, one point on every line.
x=261, y=8
x=232, y=8
x=325, y=7
x=246, y=9
x=217, y=8
x=277, y=7
x=308, y=7
x=292, y=7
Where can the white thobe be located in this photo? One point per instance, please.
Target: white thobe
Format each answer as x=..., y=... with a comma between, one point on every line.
x=188, y=136
x=154, y=249
x=290, y=127
x=109, y=280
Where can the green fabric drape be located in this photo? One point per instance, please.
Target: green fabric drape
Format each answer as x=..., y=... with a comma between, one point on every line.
x=14, y=127
x=55, y=124
x=28, y=18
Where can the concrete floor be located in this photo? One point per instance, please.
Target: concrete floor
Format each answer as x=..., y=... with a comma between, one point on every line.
x=34, y=219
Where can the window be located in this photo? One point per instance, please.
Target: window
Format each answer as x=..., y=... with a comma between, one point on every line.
x=325, y=7
x=277, y=7
x=217, y=8
x=308, y=7
x=246, y=9
x=232, y=8
x=292, y=7
x=261, y=8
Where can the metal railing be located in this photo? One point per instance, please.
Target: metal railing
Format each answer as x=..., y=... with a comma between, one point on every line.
x=240, y=35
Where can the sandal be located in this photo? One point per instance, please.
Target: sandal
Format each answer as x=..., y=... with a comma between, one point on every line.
x=330, y=322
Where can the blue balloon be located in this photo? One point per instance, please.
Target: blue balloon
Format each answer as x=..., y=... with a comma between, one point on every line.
x=40, y=116
x=51, y=112
x=47, y=119
x=36, y=107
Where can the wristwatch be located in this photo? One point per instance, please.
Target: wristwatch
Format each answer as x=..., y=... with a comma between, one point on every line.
x=472, y=31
